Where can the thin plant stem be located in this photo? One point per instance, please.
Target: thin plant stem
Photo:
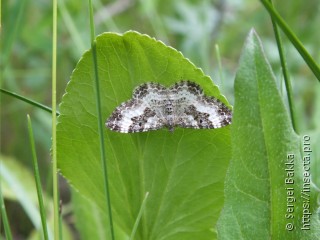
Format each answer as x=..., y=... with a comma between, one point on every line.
x=293, y=38
x=136, y=224
x=55, y=186
x=27, y=100
x=285, y=72
x=100, y=125
x=37, y=179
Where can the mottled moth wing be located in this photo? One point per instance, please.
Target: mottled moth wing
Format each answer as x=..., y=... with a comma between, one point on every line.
x=154, y=106
x=194, y=110
x=141, y=113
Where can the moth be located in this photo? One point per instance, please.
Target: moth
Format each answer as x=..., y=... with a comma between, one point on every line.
x=153, y=106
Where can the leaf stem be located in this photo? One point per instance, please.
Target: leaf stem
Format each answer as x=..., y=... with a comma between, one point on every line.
x=100, y=125
x=37, y=180
x=27, y=100
x=285, y=72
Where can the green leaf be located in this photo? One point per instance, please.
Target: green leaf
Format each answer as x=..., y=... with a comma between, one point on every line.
x=183, y=171
x=263, y=144
x=86, y=211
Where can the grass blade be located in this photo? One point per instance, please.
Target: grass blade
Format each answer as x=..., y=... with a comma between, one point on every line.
x=285, y=72
x=37, y=179
x=54, y=123
x=293, y=38
x=27, y=100
x=4, y=217
x=100, y=125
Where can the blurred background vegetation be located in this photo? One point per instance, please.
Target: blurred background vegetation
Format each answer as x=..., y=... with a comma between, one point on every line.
x=193, y=27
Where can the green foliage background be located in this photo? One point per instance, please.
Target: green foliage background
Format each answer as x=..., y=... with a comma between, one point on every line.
x=189, y=26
